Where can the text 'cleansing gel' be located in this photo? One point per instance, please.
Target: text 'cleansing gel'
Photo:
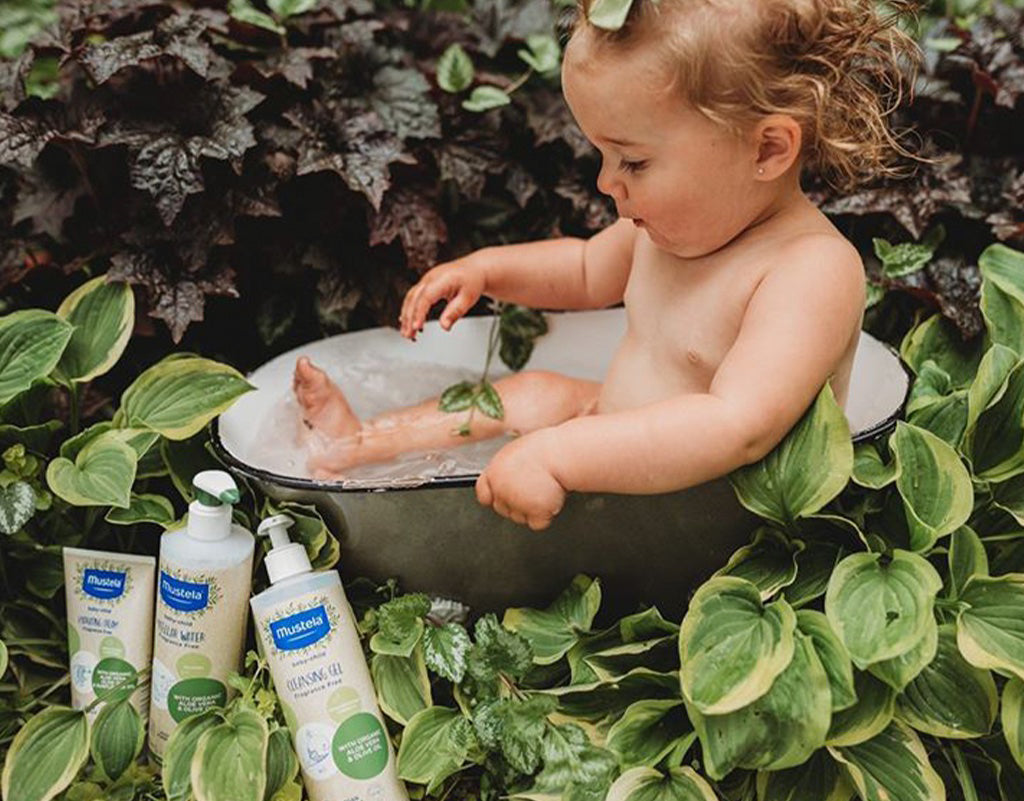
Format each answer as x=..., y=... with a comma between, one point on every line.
x=309, y=638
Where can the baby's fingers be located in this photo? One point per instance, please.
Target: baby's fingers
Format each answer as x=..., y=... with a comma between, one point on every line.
x=484, y=494
x=457, y=307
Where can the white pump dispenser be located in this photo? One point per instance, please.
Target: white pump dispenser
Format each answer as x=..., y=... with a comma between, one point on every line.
x=209, y=515
x=308, y=634
x=285, y=558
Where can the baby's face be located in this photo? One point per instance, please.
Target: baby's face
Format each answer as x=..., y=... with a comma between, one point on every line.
x=688, y=182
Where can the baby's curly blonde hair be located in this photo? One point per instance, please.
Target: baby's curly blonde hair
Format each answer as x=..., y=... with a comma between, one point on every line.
x=838, y=67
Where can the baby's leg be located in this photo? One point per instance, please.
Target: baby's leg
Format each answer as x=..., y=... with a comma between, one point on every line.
x=532, y=399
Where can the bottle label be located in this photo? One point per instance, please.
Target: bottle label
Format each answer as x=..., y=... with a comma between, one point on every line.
x=103, y=584
x=185, y=596
x=301, y=629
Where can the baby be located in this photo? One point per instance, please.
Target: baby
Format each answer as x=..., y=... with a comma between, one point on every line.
x=742, y=299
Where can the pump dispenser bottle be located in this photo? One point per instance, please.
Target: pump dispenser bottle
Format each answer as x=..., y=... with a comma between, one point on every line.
x=204, y=582
x=309, y=638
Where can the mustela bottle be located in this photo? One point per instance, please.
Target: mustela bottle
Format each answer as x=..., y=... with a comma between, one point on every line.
x=203, y=587
x=309, y=638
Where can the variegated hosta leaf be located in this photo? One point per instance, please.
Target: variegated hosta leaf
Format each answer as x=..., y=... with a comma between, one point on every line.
x=967, y=557
x=950, y=698
x=938, y=340
x=101, y=475
x=430, y=750
x=805, y=471
x=996, y=443
x=116, y=738
x=648, y=730
x=46, y=755
x=989, y=383
x=282, y=763
x=658, y=653
x=553, y=631
x=868, y=468
x=143, y=508
x=176, y=771
x=31, y=342
x=403, y=687
x=892, y=765
x=876, y=704
x=648, y=784
x=731, y=646
x=597, y=700
x=608, y=14
x=933, y=482
x=833, y=655
x=881, y=609
x=230, y=759
x=1002, y=295
x=990, y=631
x=3, y=658
x=820, y=778
x=103, y=316
x=1009, y=496
x=769, y=562
x=780, y=729
x=900, y=670
x=814, y=566
x=1011, y=717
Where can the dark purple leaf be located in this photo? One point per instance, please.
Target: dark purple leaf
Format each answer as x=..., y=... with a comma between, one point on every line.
x=413, y=218
x=168, y=169
x=401, y=98
x=46, y=203
x=468, y=160
x=551, y=121
x=597, y=211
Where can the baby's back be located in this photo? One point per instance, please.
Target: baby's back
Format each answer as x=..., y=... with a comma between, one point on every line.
x=684, y=315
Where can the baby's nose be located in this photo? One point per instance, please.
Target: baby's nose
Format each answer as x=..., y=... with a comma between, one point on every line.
x=611, y=185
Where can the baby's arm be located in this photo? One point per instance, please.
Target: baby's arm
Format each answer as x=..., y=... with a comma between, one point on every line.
x=796, y=328
x=564, y=273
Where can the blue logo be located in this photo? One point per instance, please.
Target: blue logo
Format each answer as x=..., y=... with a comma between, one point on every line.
x=185, y=596
x=301, y=629
x=103, y=584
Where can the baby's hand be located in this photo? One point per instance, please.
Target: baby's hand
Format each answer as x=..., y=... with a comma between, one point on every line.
x=518, y=485
x=459, y=282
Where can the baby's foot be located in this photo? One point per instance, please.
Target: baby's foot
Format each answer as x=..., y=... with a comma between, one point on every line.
x=323, y=407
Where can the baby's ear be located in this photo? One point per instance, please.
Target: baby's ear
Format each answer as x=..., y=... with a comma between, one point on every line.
x=778, y=139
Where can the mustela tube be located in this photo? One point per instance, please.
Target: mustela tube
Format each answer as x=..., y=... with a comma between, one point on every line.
x=110, y=600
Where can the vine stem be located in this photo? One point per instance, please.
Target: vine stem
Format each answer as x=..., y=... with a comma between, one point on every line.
x=963, y=774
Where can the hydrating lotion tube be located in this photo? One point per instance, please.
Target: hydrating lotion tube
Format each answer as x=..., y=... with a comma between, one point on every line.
x=201, y=610
x=110, y=635
x=309, y=638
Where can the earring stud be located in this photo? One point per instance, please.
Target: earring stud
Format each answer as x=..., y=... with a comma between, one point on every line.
x=760, y=170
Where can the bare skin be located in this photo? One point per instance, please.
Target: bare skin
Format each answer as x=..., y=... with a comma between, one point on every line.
x=742, y=301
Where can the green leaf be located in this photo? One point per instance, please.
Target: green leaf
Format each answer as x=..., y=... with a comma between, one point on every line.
x=553, y=631
x=446, y=649
x=244, y=11
x=900, y=670
x=881, y=610
x=932, y=385
x=46, y=754
x=648, y=731
x=814, y=566
x=1010, y=717
x=116, y=739
x=457, y=397
x=990, y=631
x=101, y=475
x=868, y=468
x=144, y=508
x=403, y=687
x=648, y=784
x=291, y=8
x=230, y=758
x=818, y=779
x=780, y=729
x=178, y=397
x=944, y=417
x=874, y=710
x=176, y=771
x=657, y=653
x=282, y=763
x=608, y=14
x=769, y=562
x=995, y=445
x=400, y=623
x=949, y=697
x=833, y=655
x=544, y=55
x=103, y=316
x=485, y=98
x=907, y=257
x=731, y=647
x=17, y=506
x=805, y=471
x=938, y=340
x=31, y=344
x=989, y=383
x=498, y=651
x=454, y=69
x=934, y=484
x=515, y=727
x=573, y=763
x=1002, y=295
x=429, y=753
x=4, y=658
x=967, y=557
x=891, y=765
x=488, y=401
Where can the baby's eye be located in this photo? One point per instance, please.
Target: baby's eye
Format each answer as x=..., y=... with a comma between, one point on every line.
x=632, y=166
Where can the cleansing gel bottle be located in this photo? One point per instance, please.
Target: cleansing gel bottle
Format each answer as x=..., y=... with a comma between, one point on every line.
x=309, y=638
x=203, y=586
